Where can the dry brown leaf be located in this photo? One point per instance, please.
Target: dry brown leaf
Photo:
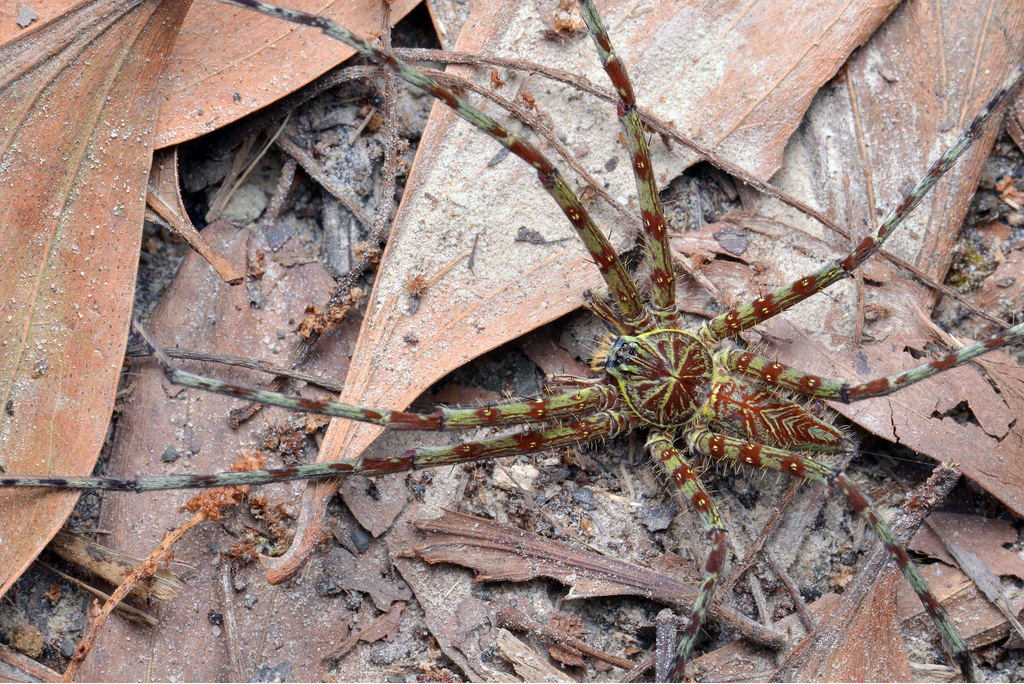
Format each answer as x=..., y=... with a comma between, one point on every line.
x=979, y=622
x=982, y=536
x=164, y=198
x=231, y=62
x=201, y=312
x=1015, y=122
x=384, y=627
x=859, y=640
x=504, y=553
x=75, y=148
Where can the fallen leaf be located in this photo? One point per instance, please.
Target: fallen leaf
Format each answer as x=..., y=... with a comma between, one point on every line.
x=200, y=312
x=76, y=137
x=978, y=621
x=231, y=62
x=384, y=627
x=164, y=198
x=527, y=663
x=1015, y=122
x=504, y=553
x=985, y=537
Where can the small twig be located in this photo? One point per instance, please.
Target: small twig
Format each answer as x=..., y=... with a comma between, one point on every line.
x=284, y=184
x=123, y=609
x=230, y=625
x=176, y=353
x=145, y=569
x=511, y=617
x=330, y=184
x=817, y=494
x=794, y=593
x=221, y=200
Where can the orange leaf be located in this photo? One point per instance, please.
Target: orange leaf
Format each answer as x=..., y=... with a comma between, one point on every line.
x=76, y=134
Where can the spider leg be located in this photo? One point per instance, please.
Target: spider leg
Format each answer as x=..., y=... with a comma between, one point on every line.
x=612, y=270
x=781, y=375
x=683, y=475
x=599, y=426
x=723, y=447
x=564, y=406
x=651, y=213
x=761, y=309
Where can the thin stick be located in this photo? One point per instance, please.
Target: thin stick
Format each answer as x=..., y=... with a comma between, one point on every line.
x=262, y=366
x=144, y=570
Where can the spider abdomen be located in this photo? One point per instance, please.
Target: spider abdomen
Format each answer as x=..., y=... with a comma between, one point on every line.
x=742, y=409
x=664, y=375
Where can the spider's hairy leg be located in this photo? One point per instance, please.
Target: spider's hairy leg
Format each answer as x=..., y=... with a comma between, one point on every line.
x=651, y=213
x=726, y=448
x=684, y=477
x=612, y=270
x=603, y=425
x=781, y=375
x=763, y=308
x=600, y=308
x=563, y=406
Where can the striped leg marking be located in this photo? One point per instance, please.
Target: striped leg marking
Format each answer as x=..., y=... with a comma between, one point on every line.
x=726, y=448
x=684, y=477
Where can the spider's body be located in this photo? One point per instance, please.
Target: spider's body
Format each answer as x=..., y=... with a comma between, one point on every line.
x=697, y=393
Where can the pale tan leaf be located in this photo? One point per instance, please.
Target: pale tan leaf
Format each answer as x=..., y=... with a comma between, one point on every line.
x=76, y=132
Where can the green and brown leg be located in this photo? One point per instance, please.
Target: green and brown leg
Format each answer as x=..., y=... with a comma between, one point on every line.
x=679, y=470
x=781, y=375
x=739, y=451
x=744, y=317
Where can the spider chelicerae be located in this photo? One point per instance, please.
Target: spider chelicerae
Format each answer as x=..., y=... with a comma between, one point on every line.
x=694, y=392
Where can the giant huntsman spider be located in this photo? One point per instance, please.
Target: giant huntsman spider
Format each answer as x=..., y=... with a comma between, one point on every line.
x=694, y=393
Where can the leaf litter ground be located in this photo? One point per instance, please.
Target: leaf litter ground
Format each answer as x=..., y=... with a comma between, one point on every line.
x=594, y=496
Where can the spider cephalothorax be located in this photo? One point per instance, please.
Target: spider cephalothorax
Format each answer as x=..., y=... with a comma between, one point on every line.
x=699, y=389
x=665, y=375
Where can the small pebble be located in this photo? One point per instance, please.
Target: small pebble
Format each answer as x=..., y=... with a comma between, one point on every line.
x=215, y=630
x=585, y=498
x=170, y=454
x=360, y=538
